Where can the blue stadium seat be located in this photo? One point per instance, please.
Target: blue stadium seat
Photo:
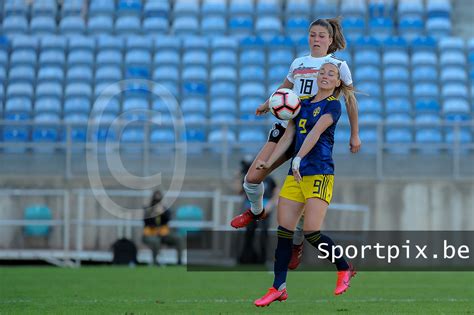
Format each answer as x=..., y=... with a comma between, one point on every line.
x=451, y=43
x=54, y=74
x=184, y=8
x=464, y=137
x=396, y=73
x=49, y=89
x=127, y=25
x=241, y=8
x=44, y=8
x=80, y=58
x=410, y=8
x=139, y=43
x=354, y=9
x=135, y=103
x=21, y=74
x=453, y=74
x=109, y=57
x=397, y=89
x=100, y=25
x=196, y=43
x=395, y=43
x=52, y=58
x=251, y=90
x=46, y=130
x=241, y=26
x=381, y=28
x=251, y=140
x=456, y=106
x=410, y=27
x=20, y=90
x=138, y=57
x=298, y=8
x=424, y=58
x=252, y=73
x=253, y=57
x=396, y=58
x=427, y=105
x=223, y=73
x=53, y=43
x=15, y=8
x=48, y=105
x=354, y=27
x=79, y=74
x=73, y=105
x=195, y=73
x=217, y=139
x=42, y=25
x=15, y=25
x=398, y=105
x=276, y=75
x=369, y=137
x=37, y=212
x=370, y=105
x=194, y=105
x=454, y=90
x=107, y=74
x=185, y=26
x=424, y=43
x=223, y=105
x=16, y=134
x=398, y=140
x=426, y=90
x=169, y=57
x=158, y=137
x=213, y=26
x=103, y=131
x=195, y=58
x=132, y=140
x=344, y=55
x=129, y=7
x=268, y=8
x=213, y=8
x=166, y=73
x=367, y=73
x=78, y=89
x=367, y=57
x=155, y=25
x=23, y=57
x=101, y=7
x=78, y=129
x=189, y=213
x=224, y=57
x=156, y=9
x=428, y=137
x=194, y=89
x=224, y=43
x=250, y=104
x=438, y=8
x=374, y=90
x=110, y=107
x=72, y=8
x=425, y=73
x=457, y=58
x=18, y=105
x=438, y=27
x=72, y=25
x=268, y=27
x=280, y=57
x=325, y=9
x=105, y=42
x=297, y=27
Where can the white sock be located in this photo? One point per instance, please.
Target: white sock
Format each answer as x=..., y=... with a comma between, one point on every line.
x=282, y=286
x=298, y=237
x=255, y=195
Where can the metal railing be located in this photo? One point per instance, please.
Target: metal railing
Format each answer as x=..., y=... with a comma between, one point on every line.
x=227, y=148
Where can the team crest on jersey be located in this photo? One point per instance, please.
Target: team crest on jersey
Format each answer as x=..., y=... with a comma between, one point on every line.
x=317, y=111
x=275, y=133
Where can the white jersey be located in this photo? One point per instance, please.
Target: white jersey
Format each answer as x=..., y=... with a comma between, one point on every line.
x=304, y=70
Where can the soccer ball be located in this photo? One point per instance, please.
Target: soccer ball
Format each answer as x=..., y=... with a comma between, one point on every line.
x=284, y=104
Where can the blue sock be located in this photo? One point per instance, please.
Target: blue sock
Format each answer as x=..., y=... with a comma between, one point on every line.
x=317, y=238
x=282, y=257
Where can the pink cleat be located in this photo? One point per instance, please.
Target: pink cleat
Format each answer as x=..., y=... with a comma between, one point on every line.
x=245, y=218
x=271, y=296
x=344, y=280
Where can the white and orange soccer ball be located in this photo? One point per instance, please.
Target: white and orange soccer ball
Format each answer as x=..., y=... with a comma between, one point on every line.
x=284, y=104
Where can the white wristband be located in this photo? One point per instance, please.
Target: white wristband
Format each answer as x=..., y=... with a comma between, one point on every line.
x=295, y=165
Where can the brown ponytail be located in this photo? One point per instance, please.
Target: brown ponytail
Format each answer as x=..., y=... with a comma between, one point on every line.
x=334, y=29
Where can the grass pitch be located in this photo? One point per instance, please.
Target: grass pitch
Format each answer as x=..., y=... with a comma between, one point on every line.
x=173, y=290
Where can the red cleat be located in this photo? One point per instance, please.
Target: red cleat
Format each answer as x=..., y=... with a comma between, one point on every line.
x=296, y=254
x=271, y=296
x=244, y=219
x=344, y=279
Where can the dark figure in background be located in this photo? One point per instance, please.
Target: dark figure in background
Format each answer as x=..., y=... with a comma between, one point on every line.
x=253, y=253
x=156, y=230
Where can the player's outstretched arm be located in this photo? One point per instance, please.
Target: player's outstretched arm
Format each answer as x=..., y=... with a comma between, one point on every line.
x=352, y=112
x=281, y=147
x=313, y=136
x=264, y=108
